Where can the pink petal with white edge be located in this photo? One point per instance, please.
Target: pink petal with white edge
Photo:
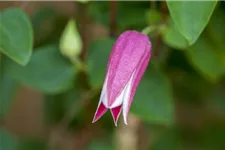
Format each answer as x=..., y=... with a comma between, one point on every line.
x=127, y=52
x=116, y=113
x=135, y=81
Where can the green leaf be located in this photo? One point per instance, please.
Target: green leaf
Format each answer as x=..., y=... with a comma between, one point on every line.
x=98, y=59
x=31, y=144
x=202, y=55
x=7, y=141
x=191, y=17
x=174, y=38
x=169, y=140
x=47, y=71
x=16, y=35
x=153, y=101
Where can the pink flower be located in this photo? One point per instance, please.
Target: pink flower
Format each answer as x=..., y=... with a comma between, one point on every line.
x=127, y=63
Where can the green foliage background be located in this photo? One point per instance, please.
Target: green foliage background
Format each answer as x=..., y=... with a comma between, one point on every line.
x=180, y=100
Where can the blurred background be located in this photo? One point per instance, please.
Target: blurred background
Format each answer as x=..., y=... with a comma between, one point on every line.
x=49, y=103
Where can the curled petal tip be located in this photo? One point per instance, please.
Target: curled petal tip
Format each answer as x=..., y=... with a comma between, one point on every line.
x=94, y=120
x=125, y=121
x=116, y=113
x=99, y=112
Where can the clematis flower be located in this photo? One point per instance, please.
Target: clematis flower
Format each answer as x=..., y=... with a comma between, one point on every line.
x=127, y=63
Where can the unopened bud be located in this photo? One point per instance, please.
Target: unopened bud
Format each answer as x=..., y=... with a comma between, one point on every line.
x=70, y=42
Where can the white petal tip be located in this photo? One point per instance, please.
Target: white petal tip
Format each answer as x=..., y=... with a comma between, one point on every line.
x=93, y=121
x=125, y=120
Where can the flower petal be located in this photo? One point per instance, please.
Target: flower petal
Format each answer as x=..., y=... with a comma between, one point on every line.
x=116, y=113
x=102, y=105
x=119, y=100
x=99, y=112
x=127, y=95
x=135, y=81
x=127, y=52
x=103, y=97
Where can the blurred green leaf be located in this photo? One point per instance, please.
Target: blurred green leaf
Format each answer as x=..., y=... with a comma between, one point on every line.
x=216, y=101
x=202, y=55
x=8, y=141
x=16, y=35
x=216, y=28
x=174, y=38
x=191, y=17
x=83, y=1
x=43, y=21
x=99, y=11
x=213, y=136
x=153, y=101
x=190, y=87
x=99, y=145
x=47, y=71
x=132, y=15
x=129, y=15
x=53, y=109
x=153, y=16
x=57, y=106
x=169, y=140
x=216, y=33
x=41, y=15
x=130, y=19
x=7, y=91
x=98, y=59
x=31, y=144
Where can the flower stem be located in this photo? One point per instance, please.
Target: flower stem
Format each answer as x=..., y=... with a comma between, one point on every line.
x=127, y=135
x=78, y=64
x=154, y=28
x=113, y=23
x=149, y=29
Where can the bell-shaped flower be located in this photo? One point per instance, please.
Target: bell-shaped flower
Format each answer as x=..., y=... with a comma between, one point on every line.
x=127, y=63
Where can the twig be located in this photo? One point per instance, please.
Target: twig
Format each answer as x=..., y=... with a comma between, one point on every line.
x=83, y=18
x=164, y=11
x=159, y=41
x=24, y=4
x=153, y=4
x=113, y=8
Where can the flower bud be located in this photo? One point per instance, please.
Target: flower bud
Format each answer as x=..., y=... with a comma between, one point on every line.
x=127, y=63
x=70, y=42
